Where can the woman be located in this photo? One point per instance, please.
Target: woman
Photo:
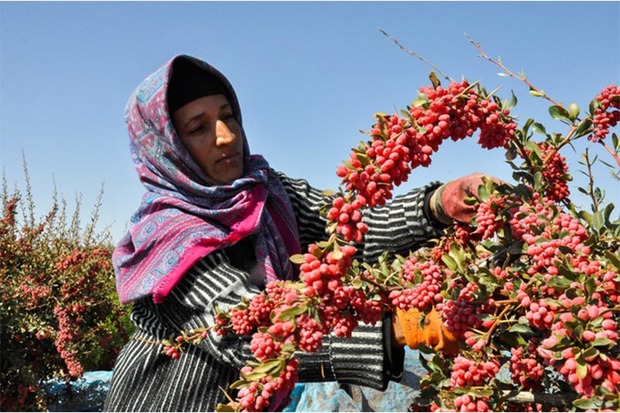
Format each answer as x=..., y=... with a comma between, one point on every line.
x=217, y=224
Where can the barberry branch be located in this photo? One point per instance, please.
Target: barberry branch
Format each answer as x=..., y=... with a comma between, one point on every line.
x=417, y=56
x=510, y=73
x=588, y=164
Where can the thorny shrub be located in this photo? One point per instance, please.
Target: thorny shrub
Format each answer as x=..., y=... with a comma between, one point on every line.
x=58, y=308
x=530, y=286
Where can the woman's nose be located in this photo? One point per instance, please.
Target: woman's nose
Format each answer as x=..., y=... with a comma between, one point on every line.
x=224, y=136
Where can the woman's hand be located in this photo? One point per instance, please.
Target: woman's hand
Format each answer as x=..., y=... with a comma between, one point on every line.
x=447, y=203
x=413, y=328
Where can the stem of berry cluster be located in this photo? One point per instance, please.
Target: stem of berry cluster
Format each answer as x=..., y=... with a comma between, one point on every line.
x=565, y=141
x=497, y=321
x=613, y=153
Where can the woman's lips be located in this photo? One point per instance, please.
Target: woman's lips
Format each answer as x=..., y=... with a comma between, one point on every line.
x=229, y=157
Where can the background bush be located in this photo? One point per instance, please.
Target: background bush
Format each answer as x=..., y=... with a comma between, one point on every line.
x=59, y=312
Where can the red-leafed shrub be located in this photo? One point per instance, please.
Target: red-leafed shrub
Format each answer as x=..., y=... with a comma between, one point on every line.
x=58, y=307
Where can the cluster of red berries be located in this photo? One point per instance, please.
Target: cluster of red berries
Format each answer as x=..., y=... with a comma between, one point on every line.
x=487, y=219
x=468, y=403
x=263, y=346
x=270, y=392
x=607, y=112
x=540, y=313
x=547, y=236
x=8, y=215
x=583, y=375
x=427, y=278
x=322, y=272
x=373, y=171
x=526, y=369
x=466, y=372
x=309, y=333
x=554, y=173
x=457, y=112
x=459, y=316
x=367, y=310
x=348, y=218
x=243, y=321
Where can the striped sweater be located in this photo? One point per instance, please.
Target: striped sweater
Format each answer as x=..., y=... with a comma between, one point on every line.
x=146, y=380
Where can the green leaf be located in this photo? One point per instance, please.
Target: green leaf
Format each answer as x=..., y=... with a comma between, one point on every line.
x=538, y=181
x=521, y=328
x=363, y=158
x=536, y=93
x=511, y=154
x=292, y=312
x=483, y=193
x=590, y=286
x=586, y=217
x=588, y=404
x=434, y=79
x=512, y=339
x=421, y=100
x=533, y=147
x=484, y=392
x=602, y=342
x=597, y=221
x=512, y=102
x=582, y=368
x=539, y=128
x=607, y=213
x=425, y=363
x=254, y=376
x=613, y=258
x=238, y=384
x=270, y=366
x=449, y=261
x=559, y=113
x=590, y=353
x=297, y=259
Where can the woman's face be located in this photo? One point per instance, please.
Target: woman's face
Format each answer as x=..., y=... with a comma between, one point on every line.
x=212, y=136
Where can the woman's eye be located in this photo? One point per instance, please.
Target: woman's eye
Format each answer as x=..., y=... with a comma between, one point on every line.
x=197, y=129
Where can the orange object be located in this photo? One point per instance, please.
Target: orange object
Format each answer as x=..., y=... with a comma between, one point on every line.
x=426, y=329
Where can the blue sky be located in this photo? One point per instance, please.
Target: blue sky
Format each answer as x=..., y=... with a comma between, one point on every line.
x=309, y=76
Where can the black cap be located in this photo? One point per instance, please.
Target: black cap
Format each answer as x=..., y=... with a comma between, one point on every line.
x=189, y=82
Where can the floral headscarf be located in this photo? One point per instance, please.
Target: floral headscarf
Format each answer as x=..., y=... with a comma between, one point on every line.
x=184, y=216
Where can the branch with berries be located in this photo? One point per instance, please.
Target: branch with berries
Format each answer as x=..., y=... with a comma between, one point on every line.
x=529, y=287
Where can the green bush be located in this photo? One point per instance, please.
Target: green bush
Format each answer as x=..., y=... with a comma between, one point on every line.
x=59, y=312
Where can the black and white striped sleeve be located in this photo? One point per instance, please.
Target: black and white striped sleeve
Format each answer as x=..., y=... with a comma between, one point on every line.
x=210, y=283
x=400, y=226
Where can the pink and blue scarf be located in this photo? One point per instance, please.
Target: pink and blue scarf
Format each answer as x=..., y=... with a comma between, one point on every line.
x=184, y=216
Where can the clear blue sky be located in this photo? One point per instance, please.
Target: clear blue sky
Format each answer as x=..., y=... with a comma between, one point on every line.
x=309, y=75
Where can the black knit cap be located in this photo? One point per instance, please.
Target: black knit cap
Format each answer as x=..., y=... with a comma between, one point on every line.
x=189, y=82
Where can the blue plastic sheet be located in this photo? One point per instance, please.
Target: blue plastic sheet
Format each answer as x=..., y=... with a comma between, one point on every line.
x=331, y=397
